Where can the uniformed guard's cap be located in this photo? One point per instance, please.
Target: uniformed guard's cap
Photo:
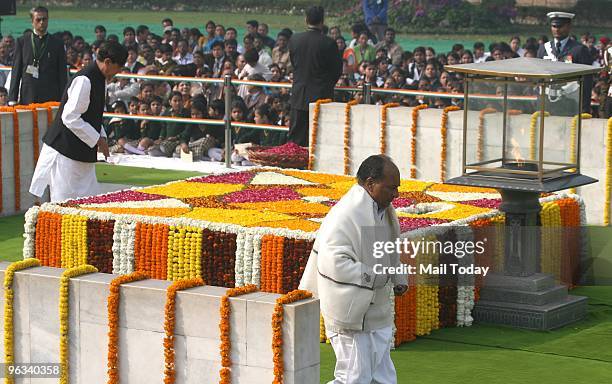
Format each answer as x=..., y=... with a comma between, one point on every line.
x=560, y=18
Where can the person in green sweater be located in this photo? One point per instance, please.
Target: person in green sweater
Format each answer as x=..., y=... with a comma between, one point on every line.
x=267, y=137
x=169, y=137
x=363, y=50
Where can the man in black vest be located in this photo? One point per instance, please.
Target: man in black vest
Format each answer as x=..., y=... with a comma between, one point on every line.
x=317, y=67
x=67, y=159
x=566, y=49
x=39, y=68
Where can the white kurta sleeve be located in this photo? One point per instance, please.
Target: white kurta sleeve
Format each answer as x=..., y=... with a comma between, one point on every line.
x=76, y=105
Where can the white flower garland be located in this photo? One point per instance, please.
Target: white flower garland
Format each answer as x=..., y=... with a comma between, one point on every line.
x=29, y=232
x=247, y=261
x=163, y=203
x=239, y=262
x=124, y=237
x=256, y=271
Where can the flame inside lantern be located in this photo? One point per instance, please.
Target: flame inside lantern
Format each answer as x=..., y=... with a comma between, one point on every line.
x=516, y=152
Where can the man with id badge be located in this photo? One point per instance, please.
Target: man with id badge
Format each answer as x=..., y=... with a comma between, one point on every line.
x=39, y=69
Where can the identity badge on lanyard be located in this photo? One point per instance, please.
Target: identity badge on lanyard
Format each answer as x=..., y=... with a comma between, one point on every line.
x=38, y=54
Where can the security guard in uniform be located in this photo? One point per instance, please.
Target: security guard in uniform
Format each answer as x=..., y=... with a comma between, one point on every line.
x=566, y=49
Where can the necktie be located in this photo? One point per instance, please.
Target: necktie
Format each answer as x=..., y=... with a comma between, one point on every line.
x=558, y=49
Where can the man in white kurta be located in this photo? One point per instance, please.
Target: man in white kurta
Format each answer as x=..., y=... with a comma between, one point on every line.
x=66, y=177
x=355, y=301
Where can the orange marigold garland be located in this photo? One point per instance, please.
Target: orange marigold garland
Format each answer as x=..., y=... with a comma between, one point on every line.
x=413, y=140
x=347, y=136
x=315, y=127
x=443, y=132
x=383, y=126
x=169, y=323
x=480, y=137
x=224, y=330
x=113, y=322
x=277, y=330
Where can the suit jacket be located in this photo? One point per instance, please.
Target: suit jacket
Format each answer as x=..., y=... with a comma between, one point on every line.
x=52, y=74
x=317, y=66
x=579, y=54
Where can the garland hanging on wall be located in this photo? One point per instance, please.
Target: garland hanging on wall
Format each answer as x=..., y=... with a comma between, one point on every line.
x=443, y=133
x=413, y=140
x=347, y=136
x=113, y=322
x=277, y=330
x=170, y=322
x=64, y=308
x=383, y=126
x=224, y=330
x=9, y=344
x=315, y=129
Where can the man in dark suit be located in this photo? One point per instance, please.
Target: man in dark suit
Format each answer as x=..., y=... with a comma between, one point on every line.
x=566, y=49
x=39, y=70
x=317, y=67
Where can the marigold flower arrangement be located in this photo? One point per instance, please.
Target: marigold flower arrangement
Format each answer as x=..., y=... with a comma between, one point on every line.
x=573, y=139
x=224, y=330
x=113, y=322
x=63, y=316
x=9, y=347
x=314, y=131
x=443, y=133
x=347, y=136
x=413, y=139
x=383, y=126
x=277, y=330
x=170, y=322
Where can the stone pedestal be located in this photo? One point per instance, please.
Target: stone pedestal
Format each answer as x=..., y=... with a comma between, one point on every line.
x=533, y=302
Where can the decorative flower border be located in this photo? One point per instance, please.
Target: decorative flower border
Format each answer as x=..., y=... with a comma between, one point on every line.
x=383, y=126
x=315, y=130
x=443, y=134
x=64, y=308
x=225, y=348
x=9, y=295
x=608, y=192
x=113, y=322
x=277, y=330
x=413, y=139
x=347, y=136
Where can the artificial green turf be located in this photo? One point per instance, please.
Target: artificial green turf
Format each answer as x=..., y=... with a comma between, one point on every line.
x=115, y=174
x=11, y=239
x=578, y=353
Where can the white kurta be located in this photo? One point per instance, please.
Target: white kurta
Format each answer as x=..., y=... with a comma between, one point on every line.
x=67, y=178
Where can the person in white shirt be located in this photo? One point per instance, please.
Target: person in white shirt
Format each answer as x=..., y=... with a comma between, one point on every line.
x=184, y=57
x=341, y=272
x=252, y=67
x=67, y=160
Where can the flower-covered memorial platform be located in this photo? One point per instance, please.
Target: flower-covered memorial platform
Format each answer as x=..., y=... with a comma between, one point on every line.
x=258, y=227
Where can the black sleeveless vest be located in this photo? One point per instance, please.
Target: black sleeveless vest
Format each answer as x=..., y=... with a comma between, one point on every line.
x=63, y=139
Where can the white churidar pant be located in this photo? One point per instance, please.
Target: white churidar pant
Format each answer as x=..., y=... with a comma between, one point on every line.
x=363, y=357
x=66, y=178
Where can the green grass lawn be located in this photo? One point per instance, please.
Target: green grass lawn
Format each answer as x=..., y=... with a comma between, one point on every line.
x=481, y=354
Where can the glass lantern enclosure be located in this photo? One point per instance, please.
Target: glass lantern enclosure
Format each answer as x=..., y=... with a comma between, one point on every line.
x=522, y=123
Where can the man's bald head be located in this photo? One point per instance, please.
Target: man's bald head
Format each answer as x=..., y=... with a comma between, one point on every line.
x=381, y=178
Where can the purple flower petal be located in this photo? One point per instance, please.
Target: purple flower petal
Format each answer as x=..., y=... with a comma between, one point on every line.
x=263, y=194
x=116, y=197
x=227, y=178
